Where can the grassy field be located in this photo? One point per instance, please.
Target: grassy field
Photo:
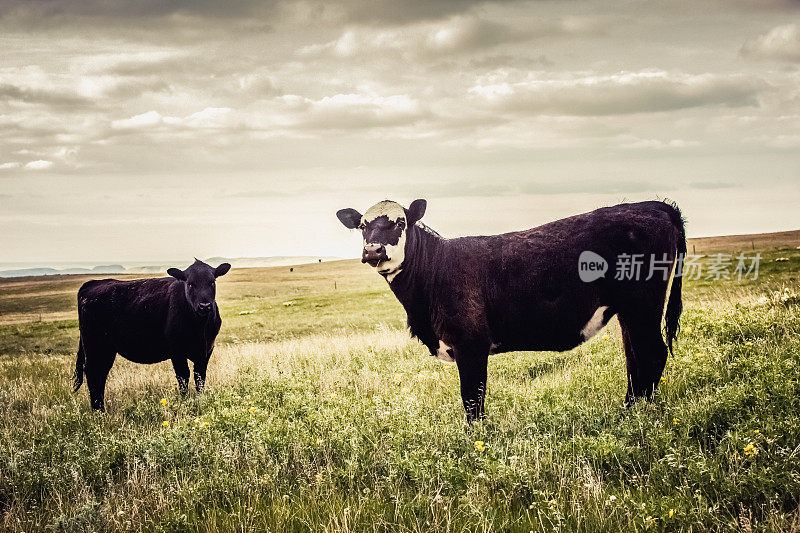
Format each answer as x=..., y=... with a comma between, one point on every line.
x=322, y=415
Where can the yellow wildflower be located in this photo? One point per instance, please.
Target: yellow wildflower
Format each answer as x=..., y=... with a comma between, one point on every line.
x=748, y=343
x=252, y=409
x=605, y=337
x=663, y=380
x=671, y=512
x=756, y=431
x=165, y=423
x=164, y=401
x=479, y=445
x=675, y=421
x=750, y=450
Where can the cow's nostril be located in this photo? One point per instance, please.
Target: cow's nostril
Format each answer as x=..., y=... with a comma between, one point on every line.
x=374, y=249
x=373, y=253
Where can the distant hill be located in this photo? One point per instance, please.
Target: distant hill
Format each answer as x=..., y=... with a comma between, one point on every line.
x=237, y=262
x=754, y=241
x=100, y=269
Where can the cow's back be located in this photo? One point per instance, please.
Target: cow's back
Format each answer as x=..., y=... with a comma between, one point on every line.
x=530, y=279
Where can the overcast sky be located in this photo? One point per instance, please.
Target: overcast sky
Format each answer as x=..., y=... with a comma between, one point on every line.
x=155, y=130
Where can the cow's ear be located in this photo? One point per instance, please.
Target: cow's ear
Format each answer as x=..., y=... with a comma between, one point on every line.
x=416, y=211
x=222, y=270
x=349, y=217
x=177, y=273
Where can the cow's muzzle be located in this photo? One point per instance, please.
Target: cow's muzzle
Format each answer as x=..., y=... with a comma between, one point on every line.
x=374, y=254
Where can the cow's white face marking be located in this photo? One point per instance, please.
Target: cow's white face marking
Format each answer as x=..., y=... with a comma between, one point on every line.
x=595, y=323
x=396, y=253
x=443, y=353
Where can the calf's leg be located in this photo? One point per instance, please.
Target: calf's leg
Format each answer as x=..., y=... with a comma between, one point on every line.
x=98, y=365
x=645, y=354
x=472, y=369
x=200, y=375
x=181, y=366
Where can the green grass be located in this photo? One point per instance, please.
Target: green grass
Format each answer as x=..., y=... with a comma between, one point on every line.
x=322, y=415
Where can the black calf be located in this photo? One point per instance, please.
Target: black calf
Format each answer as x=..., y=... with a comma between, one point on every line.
x=148, y=321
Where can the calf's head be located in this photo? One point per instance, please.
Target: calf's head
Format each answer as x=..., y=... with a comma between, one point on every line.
x=199, y=284
x=384, y=228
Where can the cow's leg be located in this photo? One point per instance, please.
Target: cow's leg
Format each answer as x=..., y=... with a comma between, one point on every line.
x=200, y=374
x=181, y=366
x=630, y=362
x=98, y=365
x=645, y=354
x=472, y=368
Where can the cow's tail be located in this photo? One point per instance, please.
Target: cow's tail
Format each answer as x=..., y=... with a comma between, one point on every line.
x=80, y=364
x=675, y=303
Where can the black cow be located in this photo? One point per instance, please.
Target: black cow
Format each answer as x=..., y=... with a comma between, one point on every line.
x=470, y=297
x=148, y=321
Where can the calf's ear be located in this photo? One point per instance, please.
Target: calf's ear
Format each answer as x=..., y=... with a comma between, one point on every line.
x=416, y=211
x=177, y=273
x=222, y=270
x=349, y=217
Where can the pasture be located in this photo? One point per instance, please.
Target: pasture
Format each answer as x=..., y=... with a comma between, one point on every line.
x=321, y=414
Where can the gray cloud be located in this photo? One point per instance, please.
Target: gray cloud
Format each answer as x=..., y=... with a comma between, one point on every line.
x=138, y=65
x=493, y=62
x=391, y=12
x=780, y=43
x=458, y=34
x=454, y=35
x=130, y=75
x=636, y=92
x=31, y=95
x=23, y=11
x=358, y=111
x=177, y=12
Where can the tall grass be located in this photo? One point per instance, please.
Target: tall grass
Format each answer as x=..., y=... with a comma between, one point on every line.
x=363, y=431
x=316, y=420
